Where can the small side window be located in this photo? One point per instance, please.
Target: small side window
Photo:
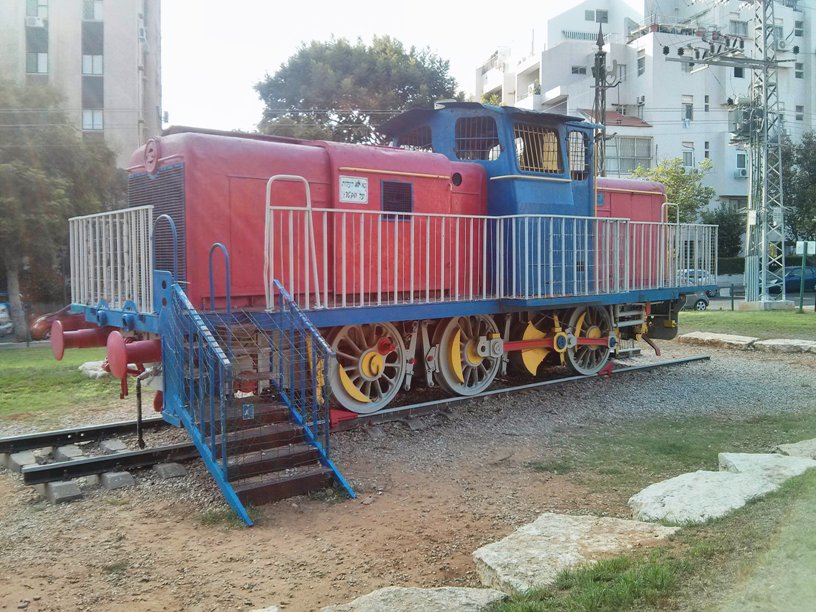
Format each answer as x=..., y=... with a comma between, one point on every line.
x=537, y=148
x=578, y=155
x=477, y=138
x=418, y=139
x=397, y=197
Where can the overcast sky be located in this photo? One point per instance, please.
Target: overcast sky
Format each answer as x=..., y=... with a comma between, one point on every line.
x=214, y=51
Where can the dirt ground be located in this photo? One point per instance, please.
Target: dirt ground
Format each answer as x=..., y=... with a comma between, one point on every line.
x=426, y=500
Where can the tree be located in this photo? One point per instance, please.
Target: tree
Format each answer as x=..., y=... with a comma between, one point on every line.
x=799, y=187
x=338, y=91
x=683, y=188
x=47, y=174
x=731, y=229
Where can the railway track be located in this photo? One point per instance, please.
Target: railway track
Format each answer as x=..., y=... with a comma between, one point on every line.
x=84, y=466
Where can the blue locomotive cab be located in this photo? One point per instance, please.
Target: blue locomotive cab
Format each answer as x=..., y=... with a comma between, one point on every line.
x=536, y=163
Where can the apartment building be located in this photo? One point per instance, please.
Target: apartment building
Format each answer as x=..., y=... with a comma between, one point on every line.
x=103, y=55
x=659, y=109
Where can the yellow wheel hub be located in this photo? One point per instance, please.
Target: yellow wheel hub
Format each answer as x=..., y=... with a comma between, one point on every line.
x=372, y=364
x=471, y=354
x=532, y=358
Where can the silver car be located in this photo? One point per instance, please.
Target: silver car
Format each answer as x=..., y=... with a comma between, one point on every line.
x=696, y=301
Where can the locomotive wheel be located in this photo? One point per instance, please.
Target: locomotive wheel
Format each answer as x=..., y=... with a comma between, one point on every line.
x=462, y=370
x=589, y=322
x=369, y=368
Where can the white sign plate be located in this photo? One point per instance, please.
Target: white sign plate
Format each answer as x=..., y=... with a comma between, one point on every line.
x=354, y=189
x=810, y=244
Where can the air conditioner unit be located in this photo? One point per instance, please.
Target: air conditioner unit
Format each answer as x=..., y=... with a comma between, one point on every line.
x=641, y=100
x=781, y=45
x=34, y=22
x=741, y=173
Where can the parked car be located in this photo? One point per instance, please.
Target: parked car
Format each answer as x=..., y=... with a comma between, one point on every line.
x=694, y=277
x=696, y=301
x=6, y=326
x=793, y=278
x=41, y=327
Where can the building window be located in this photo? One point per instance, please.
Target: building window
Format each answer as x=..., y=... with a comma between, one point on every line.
x=706, y=104
x=537, y=148
x=739, y=72
x=799, y=70
x=688, y=156
x=92, y=119
x=589, y=15
x=602, y=16
x=579, y=70
x=706, y=150
x=92, y=64
x=37, y=8
x=476, y=138
x=418, y=139
x=641, y=59
x=742, y=160
x=92, y=10
x=798, y=28
x=687, y=108
x=577, y=150
x=625, y=153
x=37, y=63
x=800, y=112
x=738, y=28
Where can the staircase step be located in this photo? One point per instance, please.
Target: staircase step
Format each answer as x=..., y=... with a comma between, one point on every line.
x=268, y=436
x=264, y=412
x=262, y=462
x=272, y=487
x=254, y=376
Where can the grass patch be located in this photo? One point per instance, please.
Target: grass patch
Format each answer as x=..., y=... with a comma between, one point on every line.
x=226, y=517
x=32, y=381
x=329, y=495
x=118, y=567
x=763, y=324
x=554, y=466
x=116, y=501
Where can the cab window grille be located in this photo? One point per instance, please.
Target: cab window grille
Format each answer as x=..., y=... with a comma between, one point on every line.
x=477, y=138
x=165, y=191
x=578, y=155
x=397, y=197
x=537, y=148
x=417, y=140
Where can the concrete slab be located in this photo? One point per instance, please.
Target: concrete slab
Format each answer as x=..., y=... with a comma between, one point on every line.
x=785, y=346
x=405, y=599
x=697, y=497
x=534, y=554
x=729, y=341
x=774, y=467
x=69, y=452
x=61, y=492
x=91, y=481
x=169, y=470
x=117, y=480
x=16, y=461
x=805, y=448
x=93, y=370
x=114, y=445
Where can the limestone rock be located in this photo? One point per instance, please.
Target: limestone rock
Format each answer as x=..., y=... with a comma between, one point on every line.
x=773, y=467
x=534, y=554
x=731, y=341
x=93, y=369
x=805, y=448
x=697, y=496
x=404, y=599
x=786, y=346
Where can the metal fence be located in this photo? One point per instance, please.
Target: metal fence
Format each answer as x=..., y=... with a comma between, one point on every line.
x=329, y=258
x=111, y=258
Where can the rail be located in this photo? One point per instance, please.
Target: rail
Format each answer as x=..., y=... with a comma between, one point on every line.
x=111, y=258
x=335, y=258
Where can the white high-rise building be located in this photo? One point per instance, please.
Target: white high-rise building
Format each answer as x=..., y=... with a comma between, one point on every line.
x=660, y=109
x=104, y=56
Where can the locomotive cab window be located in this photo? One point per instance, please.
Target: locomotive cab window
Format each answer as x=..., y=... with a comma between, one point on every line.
x=418, y=139
x=537, y=148
x=397, y=197
x=578, y=153
x=477, y=138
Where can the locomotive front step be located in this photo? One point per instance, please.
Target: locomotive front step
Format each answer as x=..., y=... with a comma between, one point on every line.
x=298, y=481
x=271, y=460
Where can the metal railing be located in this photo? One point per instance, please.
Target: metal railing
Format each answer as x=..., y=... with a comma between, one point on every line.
x=334, y=258
x=111, y=258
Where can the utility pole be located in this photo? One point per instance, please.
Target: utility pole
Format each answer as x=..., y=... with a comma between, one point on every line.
x=603, y=81
x=760, y=125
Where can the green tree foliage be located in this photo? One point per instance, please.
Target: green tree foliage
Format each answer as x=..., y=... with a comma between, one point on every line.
x=47, y=174
x=731, y=229
x=682, y=188
x=341, y=91
x=799, y=178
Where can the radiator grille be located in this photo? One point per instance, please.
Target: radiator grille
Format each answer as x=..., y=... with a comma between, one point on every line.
x=165, y=192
